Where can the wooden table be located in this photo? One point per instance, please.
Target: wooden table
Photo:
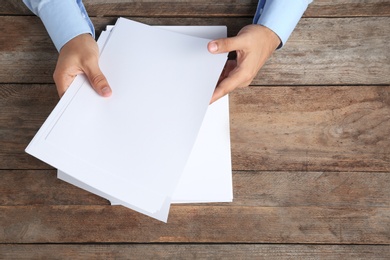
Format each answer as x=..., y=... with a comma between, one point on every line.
x=310, y=145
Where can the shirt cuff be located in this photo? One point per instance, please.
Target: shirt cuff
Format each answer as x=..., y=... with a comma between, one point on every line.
x=63, y=19
x=281, y=16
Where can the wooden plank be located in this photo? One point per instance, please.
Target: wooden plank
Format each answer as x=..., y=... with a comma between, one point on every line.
x=263, y=189
x=311, y=129
x=23, y=109
x=339, y=51
x=191, y=251
x=348, y=8
x=13, y=7
x=354, y=52
x=27, y=187
x=204, y=8
x=28, y=52
x=178, y=8
x=195, y=224
x=272, y=128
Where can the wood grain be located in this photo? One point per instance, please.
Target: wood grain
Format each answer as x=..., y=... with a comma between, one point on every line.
x=339, y=51
x=311, y=129
x=272, y=128
x=348, y=8
x=186, y=251
x=195, y=224
x=251, y=188
x=23, y=109
x=204, y=8
x=355, y=52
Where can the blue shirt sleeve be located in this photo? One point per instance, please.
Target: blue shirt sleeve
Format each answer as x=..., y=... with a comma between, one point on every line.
x=63, y=19
x=281, y=16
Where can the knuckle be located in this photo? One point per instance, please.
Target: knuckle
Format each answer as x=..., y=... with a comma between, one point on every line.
x=228, y=44
x=97, y=80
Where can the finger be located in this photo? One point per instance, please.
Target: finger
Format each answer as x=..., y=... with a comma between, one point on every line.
x=62, y=81
x=98, y=80
x=238, y=77
x=227, y=69
x=235, y=79
x=221, y=90
x=225, y=45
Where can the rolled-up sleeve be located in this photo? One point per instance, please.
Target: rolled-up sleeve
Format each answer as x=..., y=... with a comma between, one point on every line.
x=281, y=16
x=63, y=19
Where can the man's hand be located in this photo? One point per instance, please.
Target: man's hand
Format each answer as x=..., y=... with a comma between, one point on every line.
x=254, y=44
x=80, y=55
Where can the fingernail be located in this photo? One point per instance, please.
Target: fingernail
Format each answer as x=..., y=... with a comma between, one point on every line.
x=213, y=47
x=106, y=91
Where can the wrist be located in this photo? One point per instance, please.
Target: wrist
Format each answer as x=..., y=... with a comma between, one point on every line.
x=272, y=37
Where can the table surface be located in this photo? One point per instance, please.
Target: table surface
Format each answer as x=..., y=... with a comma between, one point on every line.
x=310, y=145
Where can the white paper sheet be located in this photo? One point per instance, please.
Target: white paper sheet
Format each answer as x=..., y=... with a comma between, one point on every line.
x=207, y=175
x=162, y=82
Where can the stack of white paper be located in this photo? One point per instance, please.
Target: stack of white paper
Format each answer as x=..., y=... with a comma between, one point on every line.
x=145, y=146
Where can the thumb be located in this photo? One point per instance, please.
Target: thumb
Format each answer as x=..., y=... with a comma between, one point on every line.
x=98, y=80
x=224, y=45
